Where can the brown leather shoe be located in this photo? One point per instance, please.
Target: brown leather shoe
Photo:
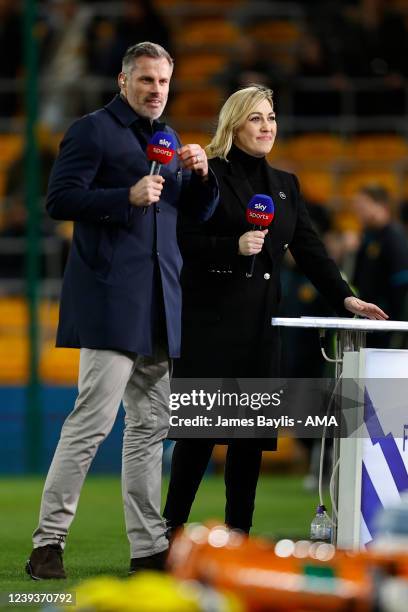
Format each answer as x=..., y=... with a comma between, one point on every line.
x=45, y=563
x=155, y=562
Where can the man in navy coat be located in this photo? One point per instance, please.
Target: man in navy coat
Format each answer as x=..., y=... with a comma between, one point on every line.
x=121, y=301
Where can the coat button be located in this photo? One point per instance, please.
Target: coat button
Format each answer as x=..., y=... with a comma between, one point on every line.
x=158, y=209
x=267, y=276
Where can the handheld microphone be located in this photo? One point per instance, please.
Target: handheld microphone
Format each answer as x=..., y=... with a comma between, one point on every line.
x=260, y=212
x=160, y=151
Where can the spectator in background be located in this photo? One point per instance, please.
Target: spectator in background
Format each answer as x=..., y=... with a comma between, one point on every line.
x=301, y=298
x=376, y=45
x=314, y=61
x=249, y=66
x=108, y=39
x=381, y=268
x=63, y=65
x=10, y=54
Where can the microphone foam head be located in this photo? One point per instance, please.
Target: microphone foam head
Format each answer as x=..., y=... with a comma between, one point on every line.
x=260, y=210
x=161, y=147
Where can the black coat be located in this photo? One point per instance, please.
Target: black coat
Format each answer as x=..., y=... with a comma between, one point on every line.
x=109, y=291
x=226, y=322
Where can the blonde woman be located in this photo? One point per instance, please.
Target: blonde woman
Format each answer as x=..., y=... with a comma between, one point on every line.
x=226, y=329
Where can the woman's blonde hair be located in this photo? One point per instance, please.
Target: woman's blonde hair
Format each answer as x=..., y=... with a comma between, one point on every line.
x=234, y=112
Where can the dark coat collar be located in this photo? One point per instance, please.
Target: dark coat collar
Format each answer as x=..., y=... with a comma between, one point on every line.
x=238, y=181
x=242, y=189
x=127, y=116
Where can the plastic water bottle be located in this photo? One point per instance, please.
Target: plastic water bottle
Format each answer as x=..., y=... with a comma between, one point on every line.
x=320, y=528
x=391, y=527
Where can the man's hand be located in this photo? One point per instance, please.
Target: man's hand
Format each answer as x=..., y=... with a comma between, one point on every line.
x=364, y=309
x=146, y=191
x=251, y=242
x=193, y=157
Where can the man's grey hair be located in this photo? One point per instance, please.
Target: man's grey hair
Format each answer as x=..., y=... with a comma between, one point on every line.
x=144, y=49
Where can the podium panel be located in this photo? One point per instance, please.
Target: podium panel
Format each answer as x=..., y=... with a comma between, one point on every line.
x=373, y=470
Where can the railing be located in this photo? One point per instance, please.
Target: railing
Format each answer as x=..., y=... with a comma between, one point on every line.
x=93, y=89
x=51, y=253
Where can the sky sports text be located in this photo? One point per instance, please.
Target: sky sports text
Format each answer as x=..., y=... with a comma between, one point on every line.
x=256, y=215
x=162, y=151
x=206, y=400
x=165, y=143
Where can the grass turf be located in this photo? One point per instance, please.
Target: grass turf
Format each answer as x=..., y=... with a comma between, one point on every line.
x=98, y=544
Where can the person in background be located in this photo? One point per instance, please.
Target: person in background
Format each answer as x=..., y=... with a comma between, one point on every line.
x=381, y=264
x=62, y=34
x=121, y=301
x=227, y=330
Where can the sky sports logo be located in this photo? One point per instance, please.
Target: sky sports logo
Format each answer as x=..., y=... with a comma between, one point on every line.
x=165, y=143
x=257, y=215
x=162, y=151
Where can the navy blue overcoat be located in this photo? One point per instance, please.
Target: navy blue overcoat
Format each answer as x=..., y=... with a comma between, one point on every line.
x=108, y=291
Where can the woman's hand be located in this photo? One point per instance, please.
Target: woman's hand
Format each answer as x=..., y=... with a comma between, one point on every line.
x=364, y=309
x=193, y=157
x=251, y=242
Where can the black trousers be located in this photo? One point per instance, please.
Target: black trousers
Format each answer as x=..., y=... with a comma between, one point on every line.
x=189, y=462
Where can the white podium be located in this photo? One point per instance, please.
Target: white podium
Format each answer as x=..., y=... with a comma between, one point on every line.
x=373, y=460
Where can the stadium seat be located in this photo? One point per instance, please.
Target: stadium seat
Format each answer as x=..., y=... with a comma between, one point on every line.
x=58, y=365
x=13, y=360
x=197, y=103
x=309, y=148
x=11, y=147
x=379, y=148
x=351, y=182
x=275, y=32
x=317, y=185
x=209, y=31
x=13, y=315
x=199, y=67
x=200, y=138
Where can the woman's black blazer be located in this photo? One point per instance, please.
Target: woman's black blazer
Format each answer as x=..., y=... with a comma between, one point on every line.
x=226, y=329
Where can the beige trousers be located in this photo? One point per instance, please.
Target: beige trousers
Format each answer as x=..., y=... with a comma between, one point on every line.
x=105, y=378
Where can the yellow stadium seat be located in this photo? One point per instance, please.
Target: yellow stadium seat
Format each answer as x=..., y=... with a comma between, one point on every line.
x=197, y=103
x=13, y=315
x=200, y=138
x=209, y=31
x=59, y=365
x=350, y=183
x=13, y=360
x=316, y=185
x=11, y=147
x=279, y=151
x=316, y=147
x=3, y=179
x=378, y=148
x=200, y=67
x=276, y=32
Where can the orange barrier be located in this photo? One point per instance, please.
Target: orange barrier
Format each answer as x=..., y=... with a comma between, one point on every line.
x=301, y=576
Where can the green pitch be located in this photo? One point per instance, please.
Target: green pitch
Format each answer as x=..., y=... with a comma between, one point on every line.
x=98, y=543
